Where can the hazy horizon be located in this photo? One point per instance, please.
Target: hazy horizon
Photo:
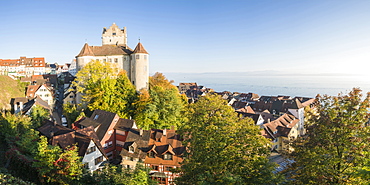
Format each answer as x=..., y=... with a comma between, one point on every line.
x=309, y=36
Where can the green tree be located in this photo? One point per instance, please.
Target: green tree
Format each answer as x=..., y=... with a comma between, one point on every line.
x=57, y=166
x=223, y=149
x=71, y=112
x=162, y=106
x=38, y=115
x=336, y=144
x=114, y=95
x=12, y=126
x=103, y=86
x=120, y=176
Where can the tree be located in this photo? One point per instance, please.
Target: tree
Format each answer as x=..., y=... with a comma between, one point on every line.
x=336, y=144
x=103, y=86
x=38, y=115
x=55, y=165
x=162, y=107
x=222, y=148
x=114, y=95
x=121, y=176
x=90, y=76
x=71, y=112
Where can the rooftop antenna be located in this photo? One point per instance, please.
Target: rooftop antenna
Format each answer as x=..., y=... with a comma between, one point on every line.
x=139, y=39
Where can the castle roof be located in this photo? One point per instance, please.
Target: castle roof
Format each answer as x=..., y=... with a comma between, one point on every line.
x=86, y=51
x=104, y=50
x=140, y=49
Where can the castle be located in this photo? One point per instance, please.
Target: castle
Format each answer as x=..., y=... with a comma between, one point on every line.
x=115, y=50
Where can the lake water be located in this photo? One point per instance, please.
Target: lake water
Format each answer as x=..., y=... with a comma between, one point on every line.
x=291, y=85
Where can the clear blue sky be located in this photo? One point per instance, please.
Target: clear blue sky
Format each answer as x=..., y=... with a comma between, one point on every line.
x=309, y=36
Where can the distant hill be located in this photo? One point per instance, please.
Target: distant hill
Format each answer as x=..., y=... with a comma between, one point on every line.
x=9, y=88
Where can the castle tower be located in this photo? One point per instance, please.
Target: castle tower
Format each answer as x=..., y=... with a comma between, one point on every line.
x=85, y=56
x=140, y=67
x=114, y=36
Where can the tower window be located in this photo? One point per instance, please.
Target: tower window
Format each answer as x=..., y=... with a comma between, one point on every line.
x=137, y=56
x=114, y=34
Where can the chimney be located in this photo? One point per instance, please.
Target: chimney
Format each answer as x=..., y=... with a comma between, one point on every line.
x=141, y=132
x=164, y=132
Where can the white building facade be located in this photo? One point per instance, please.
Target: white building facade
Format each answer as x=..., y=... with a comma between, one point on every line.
x=115, y=50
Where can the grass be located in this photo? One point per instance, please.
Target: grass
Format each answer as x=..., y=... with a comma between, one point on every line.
x=9, y=88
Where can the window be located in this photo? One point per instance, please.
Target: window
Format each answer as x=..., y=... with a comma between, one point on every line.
x=131, y=149
x=104, y=60
x=167, y=156
x=86, y=165
x=110, y=143
x=110, y=60
x=145, y=57
x=98, y=160
x=96, y=117
x=71, y=96
x=91, y=150
x=155, y=167
x=113, y=33
x=46, y=95
x=131, y=159
x=116, y=60
x=151, y=154
x=168, y=168
x=137, y=57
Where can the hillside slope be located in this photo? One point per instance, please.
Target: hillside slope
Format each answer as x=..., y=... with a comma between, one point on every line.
x=9, y=88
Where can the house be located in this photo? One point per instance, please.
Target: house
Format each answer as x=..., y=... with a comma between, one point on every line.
x=42, y=91
x=183, y=87
x=69, y=97
x=73, y=68
x=164, y=153
x=122, y=130
x=23, y=66
x=27, y=107
x=134, y=149
x=282, y=131
x=103, y=123
x=89, y=147
x=17, y=104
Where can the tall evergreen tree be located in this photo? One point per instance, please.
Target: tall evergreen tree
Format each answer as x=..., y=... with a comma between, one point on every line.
x=336, y=145
x=223, y=149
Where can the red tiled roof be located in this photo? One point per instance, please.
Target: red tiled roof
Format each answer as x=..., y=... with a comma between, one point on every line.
x=140, y=49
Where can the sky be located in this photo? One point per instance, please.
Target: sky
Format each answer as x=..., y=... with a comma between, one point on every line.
x=189, y=36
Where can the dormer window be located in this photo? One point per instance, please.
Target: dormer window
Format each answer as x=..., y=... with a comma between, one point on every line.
x=131, y=149
x=167, y=156
x=151, y=154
